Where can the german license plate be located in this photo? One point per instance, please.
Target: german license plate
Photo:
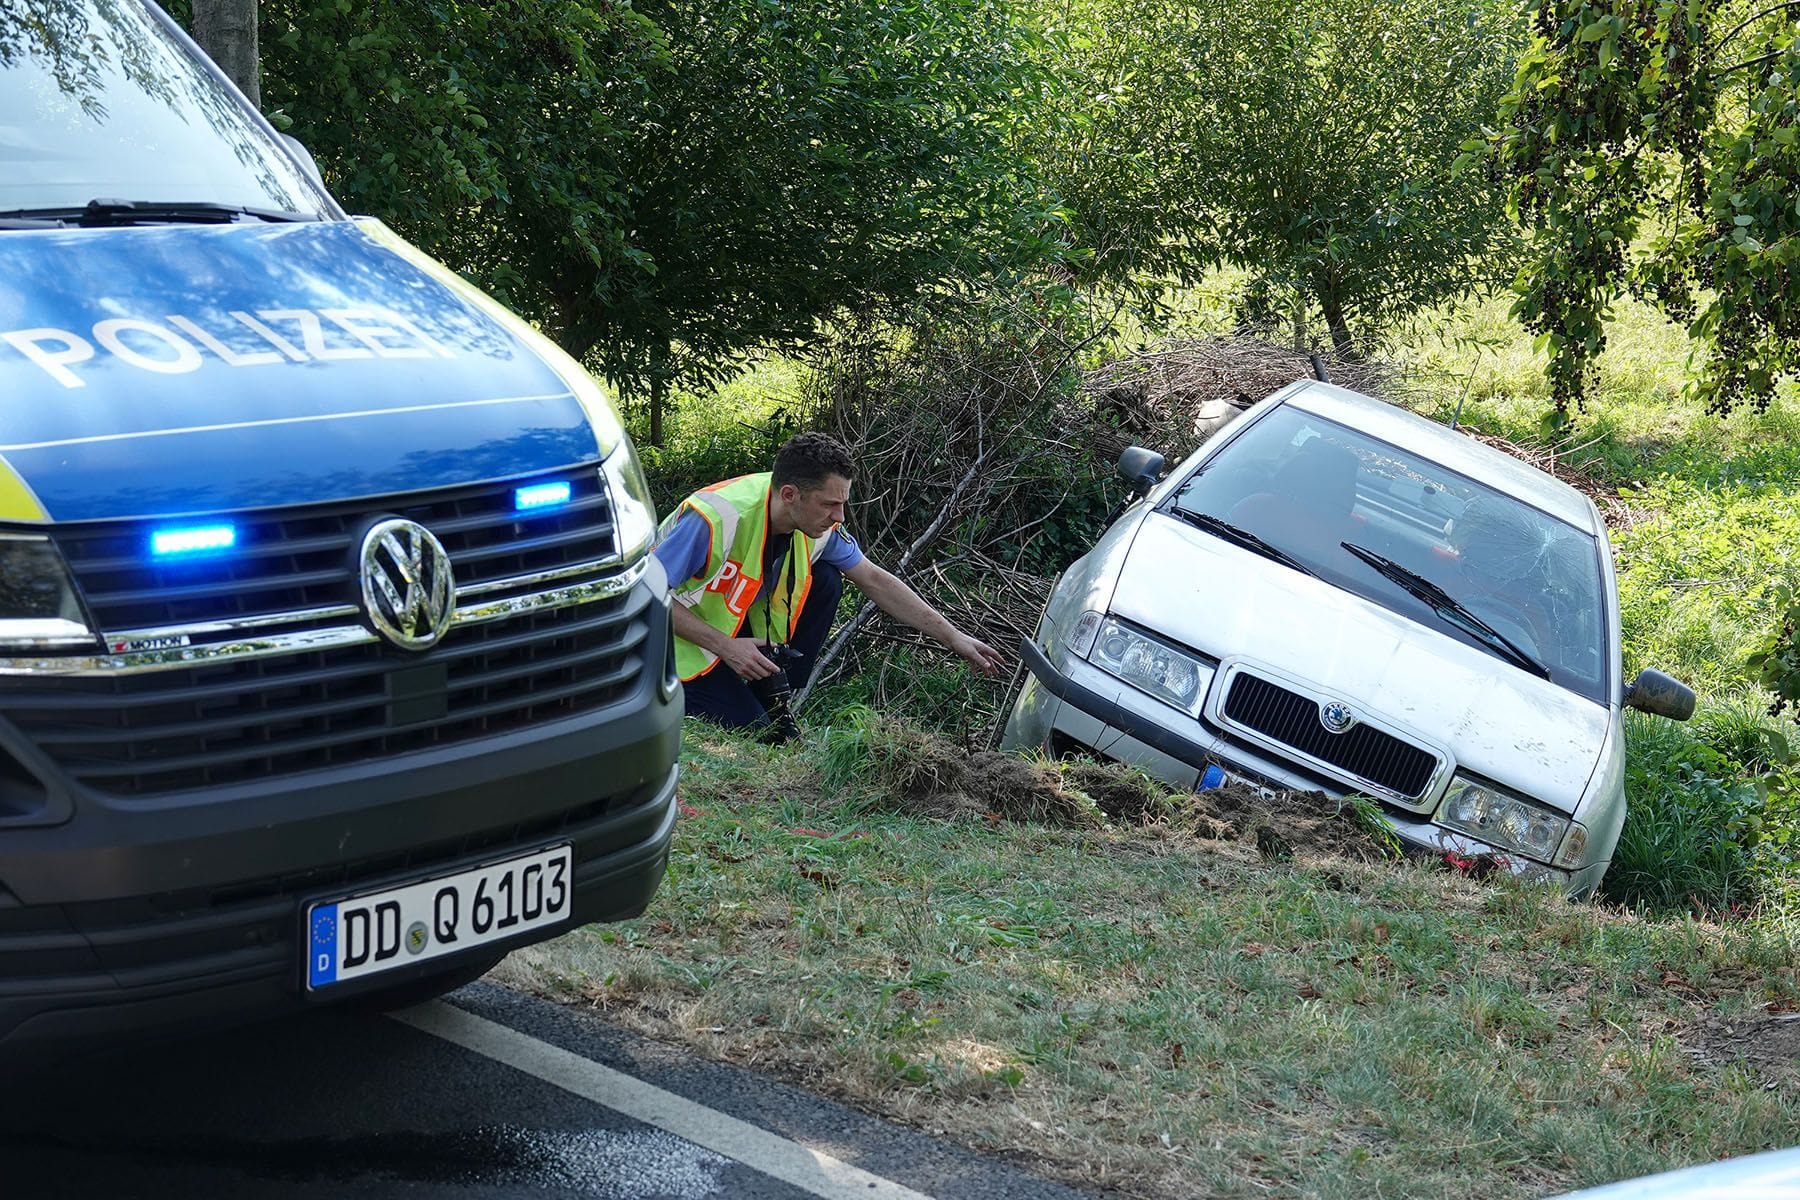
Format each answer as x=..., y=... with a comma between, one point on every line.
x=364, y=935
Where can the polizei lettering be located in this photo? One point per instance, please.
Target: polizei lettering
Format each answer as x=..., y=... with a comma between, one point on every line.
x=176, y=345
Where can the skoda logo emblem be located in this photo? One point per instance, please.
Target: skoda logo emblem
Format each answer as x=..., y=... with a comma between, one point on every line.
x=407, y=588
x=1336, y=716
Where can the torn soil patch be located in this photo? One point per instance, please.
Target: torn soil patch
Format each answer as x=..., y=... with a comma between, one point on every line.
x=1771, y=1044
x=912, y=771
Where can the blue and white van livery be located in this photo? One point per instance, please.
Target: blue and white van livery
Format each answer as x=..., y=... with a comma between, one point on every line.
x=332, y=658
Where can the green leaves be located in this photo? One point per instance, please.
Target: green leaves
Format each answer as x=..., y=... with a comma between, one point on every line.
x=1313, y=143
x=1620, y=120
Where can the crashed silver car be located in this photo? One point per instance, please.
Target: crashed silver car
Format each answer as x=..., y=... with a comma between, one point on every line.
x=1333, y=594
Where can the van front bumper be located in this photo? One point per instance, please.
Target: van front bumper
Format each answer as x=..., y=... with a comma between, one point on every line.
x=146, y=916
x=1114, y=722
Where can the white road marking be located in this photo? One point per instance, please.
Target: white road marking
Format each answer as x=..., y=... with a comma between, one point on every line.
x=812, y=1171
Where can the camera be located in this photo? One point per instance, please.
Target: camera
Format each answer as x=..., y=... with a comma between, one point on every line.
x=775, y=693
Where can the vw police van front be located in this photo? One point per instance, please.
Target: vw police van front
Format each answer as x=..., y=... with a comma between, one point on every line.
x=332, y=657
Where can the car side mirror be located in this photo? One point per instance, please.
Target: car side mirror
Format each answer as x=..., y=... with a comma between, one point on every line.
x=1660, y=694
x=1140, y=468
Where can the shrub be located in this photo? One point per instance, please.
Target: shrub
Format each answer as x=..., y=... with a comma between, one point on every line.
x=1690, y=825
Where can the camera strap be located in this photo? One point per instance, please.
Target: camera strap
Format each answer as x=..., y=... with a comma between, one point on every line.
x=776, y=554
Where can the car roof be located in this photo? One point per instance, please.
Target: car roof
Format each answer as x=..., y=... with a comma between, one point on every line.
x=1440, y=443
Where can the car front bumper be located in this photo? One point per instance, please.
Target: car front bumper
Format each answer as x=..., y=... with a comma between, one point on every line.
x=1086, y=707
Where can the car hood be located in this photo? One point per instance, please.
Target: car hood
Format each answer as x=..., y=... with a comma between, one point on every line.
x=1496, y=720
x=177, y=369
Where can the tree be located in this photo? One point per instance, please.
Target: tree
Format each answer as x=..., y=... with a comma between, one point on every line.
x=803, y=161
x=226, y=30
x=668, y=187
x=1309, y=142
x=1650, y=148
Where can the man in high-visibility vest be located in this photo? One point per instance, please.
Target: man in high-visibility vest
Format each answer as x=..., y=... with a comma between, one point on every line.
x=758, y=562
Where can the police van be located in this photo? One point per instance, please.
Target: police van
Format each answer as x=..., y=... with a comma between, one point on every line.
x=333, y=662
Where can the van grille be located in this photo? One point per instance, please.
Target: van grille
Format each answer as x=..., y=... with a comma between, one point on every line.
x=239, y=720
x=1367, y=753
x=236, y=717
x=291, y=559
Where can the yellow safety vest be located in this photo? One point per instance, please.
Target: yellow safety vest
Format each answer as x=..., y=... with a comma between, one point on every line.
x=724, y=591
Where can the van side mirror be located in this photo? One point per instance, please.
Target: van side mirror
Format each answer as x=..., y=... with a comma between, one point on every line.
x=1140, y=468
x=1661, y=695
x=302, y=155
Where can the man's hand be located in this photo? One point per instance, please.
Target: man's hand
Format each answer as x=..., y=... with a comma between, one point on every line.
x=982, y=657
x=745, y=656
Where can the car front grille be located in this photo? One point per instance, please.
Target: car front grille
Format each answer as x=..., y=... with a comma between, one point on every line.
x=1363, y=752
x=276, y=671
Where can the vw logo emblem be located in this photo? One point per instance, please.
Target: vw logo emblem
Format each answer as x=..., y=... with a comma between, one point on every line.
x=407, y=586
x=1336, y=716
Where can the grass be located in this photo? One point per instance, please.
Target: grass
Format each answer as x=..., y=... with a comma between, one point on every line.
x=1138, y=1008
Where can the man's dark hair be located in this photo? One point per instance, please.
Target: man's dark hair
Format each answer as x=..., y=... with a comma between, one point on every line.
x=808, y=459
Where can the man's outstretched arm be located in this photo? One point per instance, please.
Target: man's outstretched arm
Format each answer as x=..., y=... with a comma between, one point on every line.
x=897, y=600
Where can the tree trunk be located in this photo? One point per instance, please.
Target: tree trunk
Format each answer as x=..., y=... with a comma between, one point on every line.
x=226, y=30
x=659, y=392
x=1332, y=305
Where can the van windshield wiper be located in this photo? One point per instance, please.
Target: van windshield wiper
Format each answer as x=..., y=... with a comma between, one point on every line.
x=1240, y=537
x=1448, y=607
x=105, y=212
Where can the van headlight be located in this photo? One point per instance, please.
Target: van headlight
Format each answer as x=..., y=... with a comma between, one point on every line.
x=634, y=516
x=39, y=610
x=1502, y=819
x=1172, y=676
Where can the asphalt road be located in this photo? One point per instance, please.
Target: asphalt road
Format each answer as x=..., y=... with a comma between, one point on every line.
x=488, y=1094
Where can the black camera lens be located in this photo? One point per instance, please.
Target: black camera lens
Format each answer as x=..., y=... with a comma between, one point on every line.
x=775, y=694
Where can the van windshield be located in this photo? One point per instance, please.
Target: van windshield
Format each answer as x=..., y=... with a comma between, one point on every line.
x=98, y=102
x=1414, y=537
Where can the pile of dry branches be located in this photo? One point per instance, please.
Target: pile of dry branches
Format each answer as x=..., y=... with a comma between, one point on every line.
x=1171, y=397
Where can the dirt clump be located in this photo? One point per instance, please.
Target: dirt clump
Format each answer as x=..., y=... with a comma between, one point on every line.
x=915, y=772
x=1124, y=795
x=1282, y=823
x=1769, y=1044
x=918, y=773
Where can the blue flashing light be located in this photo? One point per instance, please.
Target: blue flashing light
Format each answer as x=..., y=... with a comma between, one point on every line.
x=192, y=539
x=541, y=495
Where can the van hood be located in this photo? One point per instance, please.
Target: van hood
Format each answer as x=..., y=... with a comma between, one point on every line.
x=1494, y=719
x=164, y=370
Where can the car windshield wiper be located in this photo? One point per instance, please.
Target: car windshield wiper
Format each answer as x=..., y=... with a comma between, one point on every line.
x=104, y=212
x=1448, y=607
x=1240, y=537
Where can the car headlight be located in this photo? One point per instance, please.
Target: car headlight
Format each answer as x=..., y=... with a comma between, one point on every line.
x=634, y=516
x=1152, y=666
x=1501, y=819
x=39, y=610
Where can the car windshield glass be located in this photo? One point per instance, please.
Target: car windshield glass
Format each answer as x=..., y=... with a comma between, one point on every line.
x=98, y=102
x=1308, y=486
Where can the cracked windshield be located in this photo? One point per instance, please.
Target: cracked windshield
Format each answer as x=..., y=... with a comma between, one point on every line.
x=1415, y=538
